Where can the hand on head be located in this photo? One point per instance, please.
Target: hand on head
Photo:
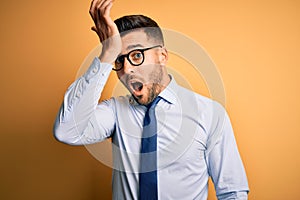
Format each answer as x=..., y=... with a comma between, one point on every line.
x=106, y=29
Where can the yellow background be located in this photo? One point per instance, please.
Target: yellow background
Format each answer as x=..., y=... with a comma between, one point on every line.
x=254, y=44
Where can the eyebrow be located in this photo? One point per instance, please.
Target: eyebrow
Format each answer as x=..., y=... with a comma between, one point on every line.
x=133, y=46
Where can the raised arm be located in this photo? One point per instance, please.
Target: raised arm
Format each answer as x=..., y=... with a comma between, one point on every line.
x=81, y=120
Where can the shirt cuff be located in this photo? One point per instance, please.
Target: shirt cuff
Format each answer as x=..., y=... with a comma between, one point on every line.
x=97, y=68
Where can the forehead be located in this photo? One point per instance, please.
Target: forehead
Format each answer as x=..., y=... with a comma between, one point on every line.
x=134, y=39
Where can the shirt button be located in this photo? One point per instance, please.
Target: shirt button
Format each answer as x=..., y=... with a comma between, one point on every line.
x=95, y=70
x=78, y=94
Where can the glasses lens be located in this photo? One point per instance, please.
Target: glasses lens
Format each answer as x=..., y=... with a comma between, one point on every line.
x=136, y=57
x=119, y=63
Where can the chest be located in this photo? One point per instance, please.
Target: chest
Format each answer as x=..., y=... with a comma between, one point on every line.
x=180, y=132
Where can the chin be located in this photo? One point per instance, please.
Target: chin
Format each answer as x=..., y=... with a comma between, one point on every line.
x=147, y=96
x=143, y=101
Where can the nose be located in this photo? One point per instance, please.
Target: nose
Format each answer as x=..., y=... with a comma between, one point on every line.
x=128, y=67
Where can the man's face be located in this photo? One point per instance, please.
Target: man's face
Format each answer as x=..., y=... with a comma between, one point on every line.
x=147, y=80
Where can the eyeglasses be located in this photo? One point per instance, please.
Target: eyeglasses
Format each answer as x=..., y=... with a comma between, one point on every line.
x=135, y=57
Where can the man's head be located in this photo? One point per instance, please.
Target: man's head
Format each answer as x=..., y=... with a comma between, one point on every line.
x=128, y=23
x=141, y=63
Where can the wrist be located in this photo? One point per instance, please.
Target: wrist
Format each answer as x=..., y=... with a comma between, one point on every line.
x=107, y=57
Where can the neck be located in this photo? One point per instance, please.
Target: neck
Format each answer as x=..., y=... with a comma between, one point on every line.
x=165, y=81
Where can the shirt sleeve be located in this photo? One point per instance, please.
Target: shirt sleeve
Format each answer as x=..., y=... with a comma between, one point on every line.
x=81, y=120
x=223, y=159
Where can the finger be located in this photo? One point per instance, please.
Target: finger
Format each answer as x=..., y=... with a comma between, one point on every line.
x=93, y=8
x=92, y=4
x=106, y=15
x=107, y=9
x=102, y=2
x=93, y=28
x=102, y=7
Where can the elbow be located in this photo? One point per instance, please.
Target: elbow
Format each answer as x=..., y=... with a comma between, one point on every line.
x=59, y=135
x=66, y=135
x=64, y=131
x=58, y=131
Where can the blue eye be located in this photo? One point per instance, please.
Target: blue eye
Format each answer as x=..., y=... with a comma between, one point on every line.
x=136, y=56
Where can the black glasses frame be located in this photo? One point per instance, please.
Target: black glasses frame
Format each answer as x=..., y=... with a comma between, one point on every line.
x=121, y=59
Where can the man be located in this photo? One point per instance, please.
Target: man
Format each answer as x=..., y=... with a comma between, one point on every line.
x=166, y=140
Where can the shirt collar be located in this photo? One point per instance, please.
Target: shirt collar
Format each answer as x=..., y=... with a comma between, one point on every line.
x=169, y=94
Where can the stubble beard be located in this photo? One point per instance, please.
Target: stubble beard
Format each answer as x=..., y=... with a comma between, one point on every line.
x=153, y=88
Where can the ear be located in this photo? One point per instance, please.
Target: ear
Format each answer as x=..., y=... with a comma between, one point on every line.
x=164, y=56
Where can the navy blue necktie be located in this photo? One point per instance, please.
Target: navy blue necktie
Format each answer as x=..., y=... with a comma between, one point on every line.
x=148, y=162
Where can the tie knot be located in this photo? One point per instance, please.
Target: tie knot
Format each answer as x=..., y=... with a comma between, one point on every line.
x=154, y=102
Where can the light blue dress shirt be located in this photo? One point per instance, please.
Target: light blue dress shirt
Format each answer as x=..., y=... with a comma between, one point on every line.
x=195, y=139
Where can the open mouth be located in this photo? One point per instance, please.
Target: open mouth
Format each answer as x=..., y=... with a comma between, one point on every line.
x=137, y=86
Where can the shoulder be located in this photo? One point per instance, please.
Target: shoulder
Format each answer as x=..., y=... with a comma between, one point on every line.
x=191, y=97
x=208, y=110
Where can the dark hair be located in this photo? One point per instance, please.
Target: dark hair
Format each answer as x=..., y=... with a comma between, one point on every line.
x=150, y=27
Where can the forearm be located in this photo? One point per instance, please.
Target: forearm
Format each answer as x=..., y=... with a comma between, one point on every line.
x=76, y=120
